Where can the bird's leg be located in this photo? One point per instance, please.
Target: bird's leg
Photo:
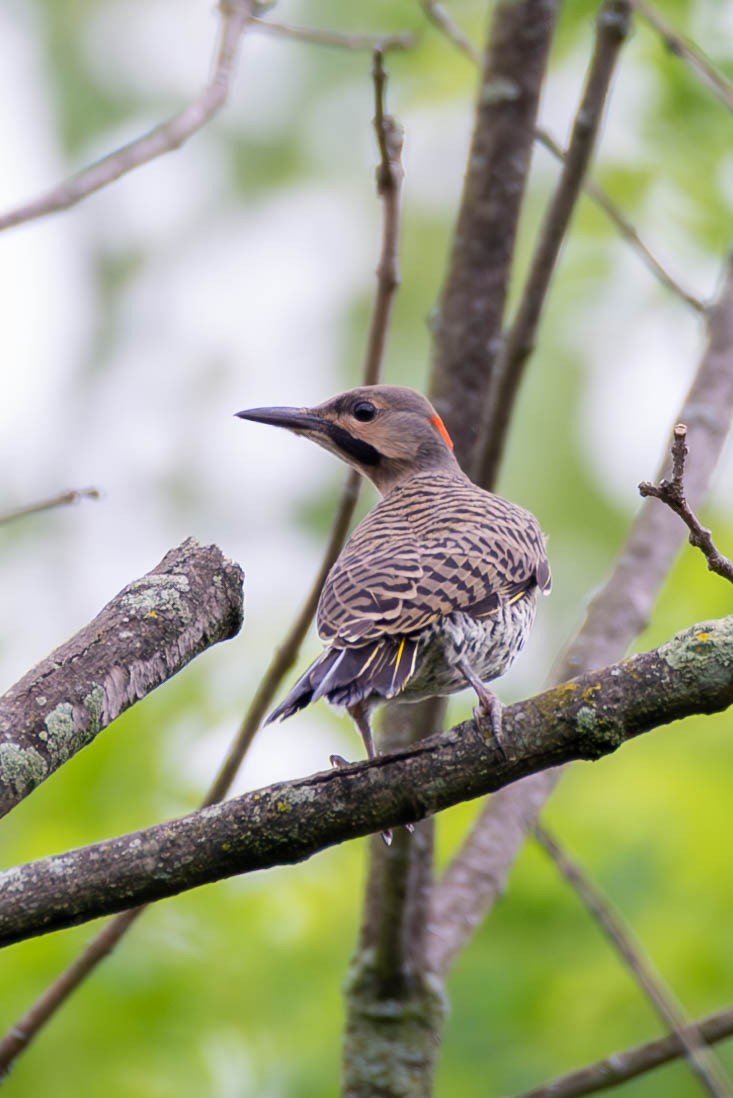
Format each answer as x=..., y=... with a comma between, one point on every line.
x=360, y=717
x=488, y=703
x=361, y=720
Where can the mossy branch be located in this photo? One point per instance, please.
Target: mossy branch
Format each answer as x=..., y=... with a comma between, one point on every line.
x=586, y=718
x=147, y=633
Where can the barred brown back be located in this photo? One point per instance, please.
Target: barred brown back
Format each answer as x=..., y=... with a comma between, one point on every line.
x=437, y=543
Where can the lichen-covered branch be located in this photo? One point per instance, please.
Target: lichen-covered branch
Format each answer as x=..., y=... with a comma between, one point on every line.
x=147, y=633
x=290, y=821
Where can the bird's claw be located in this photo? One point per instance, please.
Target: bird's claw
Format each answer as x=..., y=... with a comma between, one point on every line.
x=337, y=761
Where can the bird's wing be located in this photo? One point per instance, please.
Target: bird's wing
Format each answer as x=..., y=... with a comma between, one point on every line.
x=416, y=558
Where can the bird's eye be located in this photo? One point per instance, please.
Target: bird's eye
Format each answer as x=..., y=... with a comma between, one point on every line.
x=364, y=411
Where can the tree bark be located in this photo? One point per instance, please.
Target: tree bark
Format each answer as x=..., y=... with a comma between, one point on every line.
x=586, y=718
x=147, y=633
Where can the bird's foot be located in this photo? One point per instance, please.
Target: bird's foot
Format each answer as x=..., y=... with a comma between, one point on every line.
x=387, y=837
x=338, y=761
x=489, y=707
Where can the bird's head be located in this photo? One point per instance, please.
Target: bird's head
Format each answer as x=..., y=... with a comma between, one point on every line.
x=387, y=432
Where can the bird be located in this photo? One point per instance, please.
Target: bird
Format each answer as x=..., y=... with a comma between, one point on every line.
x=436, y=588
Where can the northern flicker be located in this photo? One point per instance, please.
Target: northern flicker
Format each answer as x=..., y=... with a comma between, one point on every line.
x=436, y=588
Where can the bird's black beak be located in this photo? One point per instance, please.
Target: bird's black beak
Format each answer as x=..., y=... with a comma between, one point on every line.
x=320, y=429
x=301, y=420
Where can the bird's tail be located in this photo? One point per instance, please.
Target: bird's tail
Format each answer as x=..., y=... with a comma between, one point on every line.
x=346, y=676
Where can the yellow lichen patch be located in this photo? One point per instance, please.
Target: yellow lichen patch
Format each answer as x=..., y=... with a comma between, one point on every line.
x=702, y=636
x=566, y=688
x=283, y=806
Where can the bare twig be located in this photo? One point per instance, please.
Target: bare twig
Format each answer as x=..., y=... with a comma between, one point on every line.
x=17, y=1039
x=389, y=184
x=445, y=23
x=441, y=19
x=384, y=42
x=169, y=135
x=700, y=1059
x=672, y=492
x=688, y=52
x=624, y=227
x=623, y=1066
x=611, y=29
x=64, y=499
x=289, y=821
x=287, y=652
x=477, y=876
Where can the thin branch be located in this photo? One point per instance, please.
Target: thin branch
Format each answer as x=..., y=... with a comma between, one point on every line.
x=389, y=178
x=290, y=821
x=672, y=492
x=389, y=184
x=441, y=19
x=447, y=26
x=169, y=135
x=383, y=42
x=688, y=52
x=622, y=1066
x=287, y=652
x=147, y=633
x=612, y=27
x=700, y=1059
x=19, y=1036
x=478, y=874
x=624, y=227
x=64, y=499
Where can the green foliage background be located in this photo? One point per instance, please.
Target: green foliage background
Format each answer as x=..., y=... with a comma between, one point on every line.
x=235, y=989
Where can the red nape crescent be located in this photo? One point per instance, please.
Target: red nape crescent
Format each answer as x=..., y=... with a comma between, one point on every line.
x=442, y=430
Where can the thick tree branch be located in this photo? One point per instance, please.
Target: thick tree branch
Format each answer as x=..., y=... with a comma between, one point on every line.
x=147, y=633
x=400, y=1043
x=290, y=821
x=169, y=135
x=468, y=322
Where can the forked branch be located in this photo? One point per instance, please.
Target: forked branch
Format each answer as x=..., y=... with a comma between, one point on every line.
x=672, y=492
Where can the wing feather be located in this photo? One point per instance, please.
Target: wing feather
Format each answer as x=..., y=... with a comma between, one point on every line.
x=435, y=545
